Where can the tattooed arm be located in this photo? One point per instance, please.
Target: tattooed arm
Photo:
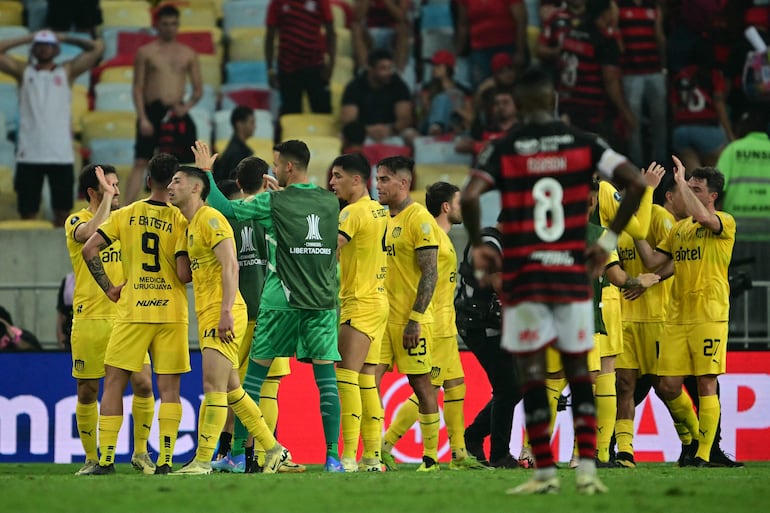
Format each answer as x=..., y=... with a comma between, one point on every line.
x=91, y=249
x=427, y=259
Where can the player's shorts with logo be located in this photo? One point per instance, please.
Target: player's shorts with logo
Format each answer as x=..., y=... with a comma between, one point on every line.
x=167, y=344
x=528, y=327
x=89, y=343
x=280, y=366
x=369, y=320
x=693, y=349
x=414, y=361
x=445, y=360
x=640, y=347
x=208, y=335
x=308, y=334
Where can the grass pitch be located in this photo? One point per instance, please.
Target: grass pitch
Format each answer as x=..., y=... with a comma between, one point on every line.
x=650, y=488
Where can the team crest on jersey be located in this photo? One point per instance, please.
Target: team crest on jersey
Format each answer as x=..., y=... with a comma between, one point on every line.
x=667, y=224
x=618, y=197
x=247, y=246
x=312, y=227
x=527, y=146
x=425, y=227
x=214, y=223
x=344, y=215
x=396, y=232
x=74, y=220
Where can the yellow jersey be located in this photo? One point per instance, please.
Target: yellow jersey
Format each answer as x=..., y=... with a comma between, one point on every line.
x=206, y=229
x=149, y=232
x=364, y=260
x=700, y=292
x=409, y=231
x=652, y=305
x=89, y=300
x=444, y=296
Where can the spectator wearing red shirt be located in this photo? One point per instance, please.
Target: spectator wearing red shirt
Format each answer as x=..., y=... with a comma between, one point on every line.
x=701, y=125
x=494, y=26
x=388, y=18
x=305, y=60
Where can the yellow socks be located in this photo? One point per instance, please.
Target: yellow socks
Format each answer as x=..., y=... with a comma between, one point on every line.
x=350, y=410
x=624, y=435
x=268, y=404
x=553, y=388
x=251, y=416
x=87, y=418
x=169, y=416
x=606, y=411
x=454, y=399
x=684, y=434
x=109, y=427
x=429, y=425
x=215, y=416
x=682, y=411
x=407, y=415
x=371, y=418
x=708, y=416
x=142, y=411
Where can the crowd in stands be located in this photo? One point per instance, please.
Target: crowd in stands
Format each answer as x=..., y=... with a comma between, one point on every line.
x=423, y=78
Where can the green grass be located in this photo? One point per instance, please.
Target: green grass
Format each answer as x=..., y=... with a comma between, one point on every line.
x=650, y=488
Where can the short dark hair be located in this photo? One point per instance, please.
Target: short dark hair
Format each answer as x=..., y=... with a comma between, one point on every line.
x=166, y=10
x=397, y=163
x=200, y=175
x=595, y=8
x=715, y=180
x=381, y=54
x=508, y=91
x=162, y=168
x=354, y=164
x=240, y=114
x=250, y=172
x=87, y=178
x=294, y=150
x=228, y=187
x=436, y=194
x=534, y=90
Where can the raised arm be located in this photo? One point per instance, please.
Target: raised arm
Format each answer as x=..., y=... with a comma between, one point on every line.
x=693, y=205
x=91, y=249
x=84, y=231
x=8, y=64
x=92, y=52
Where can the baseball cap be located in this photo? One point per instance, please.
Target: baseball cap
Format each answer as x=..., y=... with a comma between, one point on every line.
x=444, y=57
x=45, y=37
x=501, y=60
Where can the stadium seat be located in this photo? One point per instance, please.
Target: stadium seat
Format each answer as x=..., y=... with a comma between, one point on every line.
x=436, y=39
x=108, y=125
x=12, y=32
x=426, y=174
x=9, y=104
x=343, y=71
x=223, y=130
x=253, y=73
x=202, y=120
x=204, y=40
x=118, y=74
x=340, y=15
x=418, y=196
x=197, y=14
x=533, y=34
x=25, y=224
x=208, y=101
x=6, y=179
x=125, y=14
x=344, y=46
x=114, y=97
x=376, y=152
x=211, y=70
x=246, y=44
x=243, y=13
x=7, y=154
x=436, y=16
x=323, y=151
x=433, y=150
x=299, y=126
x=242, y=94
x=79, y=105
x=116, y=152
x=111, y=38
x=263, y=148
x=336, y=89
x=11, y=13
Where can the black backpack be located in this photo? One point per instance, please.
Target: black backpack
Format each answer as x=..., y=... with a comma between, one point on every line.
x=477, y=307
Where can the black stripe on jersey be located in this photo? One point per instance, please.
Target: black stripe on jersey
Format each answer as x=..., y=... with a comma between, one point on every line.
x=425, y=247
x=156, y=203
x=104, y=236
x=180, y=253
x=669, y=255
x=611, y=264
x=348, y=237
x=721, y=226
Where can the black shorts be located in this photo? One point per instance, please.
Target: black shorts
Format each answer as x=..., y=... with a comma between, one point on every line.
x=84, y=14
x=144, y=147
x=28, y=183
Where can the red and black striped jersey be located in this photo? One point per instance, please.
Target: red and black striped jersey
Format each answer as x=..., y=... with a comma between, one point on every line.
x=692, y=96
x=582, y=96
x=556, y=27
x=299, y=23
x=544, y=172
x=636, y=22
